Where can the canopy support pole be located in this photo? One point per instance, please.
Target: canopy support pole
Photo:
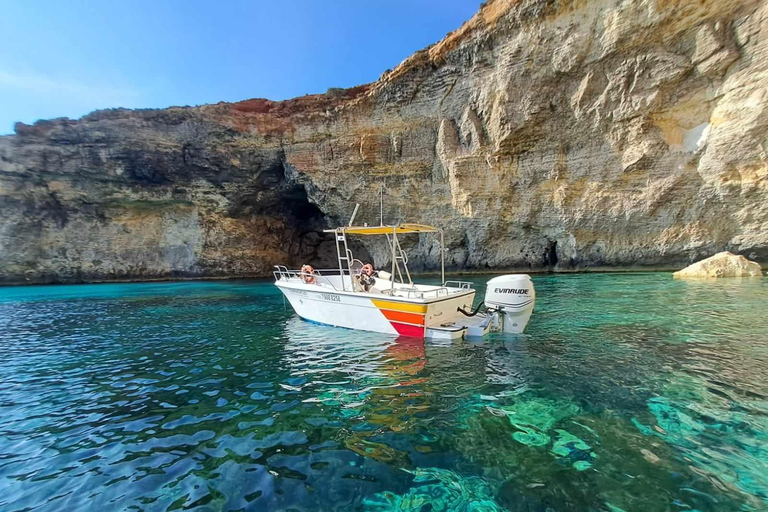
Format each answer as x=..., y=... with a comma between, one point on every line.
x=394, y=260
x=354, y=214
x=442, y=256
x=381, y=205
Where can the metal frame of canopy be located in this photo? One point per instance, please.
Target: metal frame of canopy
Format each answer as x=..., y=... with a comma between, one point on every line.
x=341, y=233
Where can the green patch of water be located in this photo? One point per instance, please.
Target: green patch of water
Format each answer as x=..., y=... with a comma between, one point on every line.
x=438, y=490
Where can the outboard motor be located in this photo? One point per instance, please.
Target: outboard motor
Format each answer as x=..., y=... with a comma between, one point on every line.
x=513, y=298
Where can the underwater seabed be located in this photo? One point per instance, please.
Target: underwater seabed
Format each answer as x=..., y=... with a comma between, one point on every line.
x=629, y=392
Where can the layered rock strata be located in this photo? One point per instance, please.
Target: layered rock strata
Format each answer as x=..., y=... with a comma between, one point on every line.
x=540, y=135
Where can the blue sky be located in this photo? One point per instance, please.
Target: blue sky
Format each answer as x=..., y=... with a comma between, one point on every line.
x=68, y=58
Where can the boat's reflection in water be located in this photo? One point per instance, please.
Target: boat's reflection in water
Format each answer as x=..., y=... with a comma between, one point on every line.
x=317, y=352
x=344, y=361
x=366, y=384
x=389, y=387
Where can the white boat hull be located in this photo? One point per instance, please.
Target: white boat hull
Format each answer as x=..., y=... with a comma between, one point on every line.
x=379, y=313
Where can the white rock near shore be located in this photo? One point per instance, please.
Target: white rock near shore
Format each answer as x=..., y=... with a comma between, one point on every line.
x=722, y=264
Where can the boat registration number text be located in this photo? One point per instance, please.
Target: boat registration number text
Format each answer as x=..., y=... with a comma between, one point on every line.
x=331, y=297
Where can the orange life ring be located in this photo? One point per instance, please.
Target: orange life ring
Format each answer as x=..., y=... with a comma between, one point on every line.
x=308, y=274
x=367, y=269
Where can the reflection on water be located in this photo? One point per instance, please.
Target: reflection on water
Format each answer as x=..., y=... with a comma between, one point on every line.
x=629, y=392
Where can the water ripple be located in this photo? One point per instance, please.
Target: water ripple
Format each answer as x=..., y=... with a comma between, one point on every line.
x=629, y=392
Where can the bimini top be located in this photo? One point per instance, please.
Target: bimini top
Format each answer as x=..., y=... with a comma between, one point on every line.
x=385, y=230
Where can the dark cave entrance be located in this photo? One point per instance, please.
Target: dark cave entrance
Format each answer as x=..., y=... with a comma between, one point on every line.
x=302, y=220
x=550, y=255
x=309, y=244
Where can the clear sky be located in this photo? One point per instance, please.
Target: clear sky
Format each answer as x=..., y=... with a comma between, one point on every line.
x=67, y=58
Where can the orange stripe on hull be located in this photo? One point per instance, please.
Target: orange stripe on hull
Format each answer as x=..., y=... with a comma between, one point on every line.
x=402, y=316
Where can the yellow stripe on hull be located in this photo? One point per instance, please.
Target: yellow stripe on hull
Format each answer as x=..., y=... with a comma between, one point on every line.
x=400, y=306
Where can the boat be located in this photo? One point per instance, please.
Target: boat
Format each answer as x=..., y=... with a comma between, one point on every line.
x=357, y=296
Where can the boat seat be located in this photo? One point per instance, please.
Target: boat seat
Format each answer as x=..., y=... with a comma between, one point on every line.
x=382, y=285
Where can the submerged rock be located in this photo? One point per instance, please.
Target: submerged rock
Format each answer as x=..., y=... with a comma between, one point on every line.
x=437, y=490
x=722, y=264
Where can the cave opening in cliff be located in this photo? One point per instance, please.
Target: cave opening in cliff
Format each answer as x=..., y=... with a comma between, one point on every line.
x=309, y=244
x=300, y=220
x=550, y=255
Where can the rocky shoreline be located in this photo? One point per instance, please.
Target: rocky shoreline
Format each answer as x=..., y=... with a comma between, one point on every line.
x=541, y=135
x=538, y=272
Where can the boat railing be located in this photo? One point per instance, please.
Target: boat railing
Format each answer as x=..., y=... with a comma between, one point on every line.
x=415, y=293
x=284, y=271
x=462, y=285
x=321, y=275
x=442, y=291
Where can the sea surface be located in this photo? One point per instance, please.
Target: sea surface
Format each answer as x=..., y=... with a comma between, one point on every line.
x=629, y=392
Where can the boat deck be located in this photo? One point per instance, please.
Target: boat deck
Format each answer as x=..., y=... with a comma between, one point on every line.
x=325, y=279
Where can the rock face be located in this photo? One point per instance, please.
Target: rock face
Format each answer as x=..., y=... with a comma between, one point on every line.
x=722, y=264
x=540, y=135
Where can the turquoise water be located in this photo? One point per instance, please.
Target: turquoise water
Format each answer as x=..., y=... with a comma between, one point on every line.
x=629, y=392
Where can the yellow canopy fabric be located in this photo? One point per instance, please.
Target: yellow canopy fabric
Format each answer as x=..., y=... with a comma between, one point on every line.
x=386, y=230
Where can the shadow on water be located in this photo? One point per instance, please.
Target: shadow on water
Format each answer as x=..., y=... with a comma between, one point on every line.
x=629, y=392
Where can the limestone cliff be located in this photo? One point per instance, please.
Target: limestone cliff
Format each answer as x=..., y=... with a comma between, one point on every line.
x=540, y=135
